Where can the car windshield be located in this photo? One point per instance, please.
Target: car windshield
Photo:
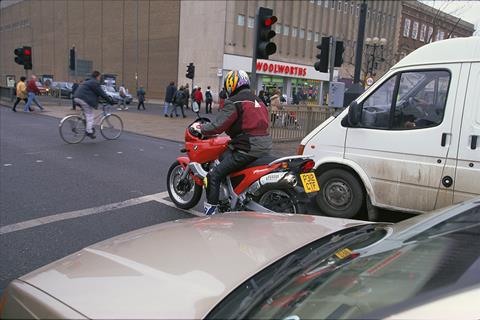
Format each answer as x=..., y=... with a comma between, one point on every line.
x=109, y=89
x=353, y=283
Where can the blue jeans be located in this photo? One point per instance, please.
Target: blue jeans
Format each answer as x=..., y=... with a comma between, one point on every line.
x=31, y=97
x=166, y=107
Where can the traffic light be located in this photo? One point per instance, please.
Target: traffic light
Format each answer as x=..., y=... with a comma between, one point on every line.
x=339, y=49
x=27, y=58
x=23, y=56
x=264, y=47
x=190, y=71
x=71, y=64
x=324, y=47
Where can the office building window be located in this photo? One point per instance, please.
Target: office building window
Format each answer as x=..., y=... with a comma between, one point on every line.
x=294, y=32
x=309, y=35
x=440, y=35
x=345, y=8
x=423, y=30
x=352, y=8
x=312, y=1
x=325, y=4
x=332, y=4
x=415, y=30
x=251, y=22
x=406, y=27
x=278, y=28
x=429, y=34
x=357, y=12
x=317, y=36
x=368, y=14
x=241, y=20
x=286, y=30
x=302, y=33
x=319, y=2
x=339, y=6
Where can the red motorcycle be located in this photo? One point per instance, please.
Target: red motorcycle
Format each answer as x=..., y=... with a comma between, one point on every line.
x=266, y=185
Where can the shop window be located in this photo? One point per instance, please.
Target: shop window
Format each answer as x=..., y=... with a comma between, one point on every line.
x=406, y=27
x=309, y=35
x=278, y=28
x=286, y=30
x=415, y=30
x=302, y=34
x=317, y=36
x=240, y=20
x=423, y=30
x=294, y=32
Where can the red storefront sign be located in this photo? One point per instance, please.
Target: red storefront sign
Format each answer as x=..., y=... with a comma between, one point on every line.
x=279, y=68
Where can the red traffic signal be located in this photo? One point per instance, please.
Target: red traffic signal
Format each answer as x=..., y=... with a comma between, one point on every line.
x=269, y=21
x=24, y=57
x=264, y=47
x=27, y=52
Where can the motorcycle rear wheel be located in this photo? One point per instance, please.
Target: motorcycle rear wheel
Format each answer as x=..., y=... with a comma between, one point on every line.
x=281, y=201
x=186, y=194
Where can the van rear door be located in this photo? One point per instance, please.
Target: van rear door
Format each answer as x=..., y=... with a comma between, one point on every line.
x=467, y=178
x=404, y=136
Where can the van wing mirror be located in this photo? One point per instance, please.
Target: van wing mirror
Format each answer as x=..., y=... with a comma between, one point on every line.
x=354, y=114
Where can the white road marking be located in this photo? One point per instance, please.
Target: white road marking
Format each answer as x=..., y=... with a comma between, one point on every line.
x=69, y=158
x=158, y=197
x=141, y=149
x=39, y=161
x=95, y=155
x=7, y=164
x=119, y=152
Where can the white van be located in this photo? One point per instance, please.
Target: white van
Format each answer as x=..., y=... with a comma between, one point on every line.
x=410, y=142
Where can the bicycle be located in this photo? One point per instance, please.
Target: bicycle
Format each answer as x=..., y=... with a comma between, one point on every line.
x=72, y=127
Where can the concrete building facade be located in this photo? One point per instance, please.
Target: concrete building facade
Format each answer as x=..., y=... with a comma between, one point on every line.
x=150, y=43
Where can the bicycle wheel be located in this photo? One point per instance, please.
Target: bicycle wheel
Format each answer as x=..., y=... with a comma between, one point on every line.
x=111, y=127
x=72, y=129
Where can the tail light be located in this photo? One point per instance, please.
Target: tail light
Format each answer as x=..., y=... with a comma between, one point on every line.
x=308, y=166
x=300, y=149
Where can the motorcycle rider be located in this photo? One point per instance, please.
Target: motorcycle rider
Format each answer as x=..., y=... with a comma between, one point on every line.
x=245, y=119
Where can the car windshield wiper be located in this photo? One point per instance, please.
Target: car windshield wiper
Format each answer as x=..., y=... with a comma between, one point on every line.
x=295, y=264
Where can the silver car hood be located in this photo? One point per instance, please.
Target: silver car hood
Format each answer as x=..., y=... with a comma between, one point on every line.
x=179, y=269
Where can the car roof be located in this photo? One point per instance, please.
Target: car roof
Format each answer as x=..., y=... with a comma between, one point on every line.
x=454, y=50
x=180, y=269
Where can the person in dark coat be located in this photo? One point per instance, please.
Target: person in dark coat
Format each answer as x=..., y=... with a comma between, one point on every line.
x=87, y=96
x=178, y=102
x=141, y=98
x=186, y=93
x=169, y=95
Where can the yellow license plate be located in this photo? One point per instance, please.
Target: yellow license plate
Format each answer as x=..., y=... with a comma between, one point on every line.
x=309, y=182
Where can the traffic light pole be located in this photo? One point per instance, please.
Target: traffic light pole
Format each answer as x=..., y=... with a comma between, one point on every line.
x=253, y=73
x=331, y=62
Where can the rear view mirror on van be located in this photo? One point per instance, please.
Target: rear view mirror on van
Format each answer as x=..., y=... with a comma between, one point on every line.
x=354, y=113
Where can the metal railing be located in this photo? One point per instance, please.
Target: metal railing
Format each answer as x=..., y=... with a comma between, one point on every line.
x=293, y=123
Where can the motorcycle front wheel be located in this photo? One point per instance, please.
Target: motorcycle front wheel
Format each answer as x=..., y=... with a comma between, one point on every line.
x=185, y=194
x=281, y=201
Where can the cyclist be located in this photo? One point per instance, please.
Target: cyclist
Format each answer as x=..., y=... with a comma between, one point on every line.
x=245, y=119
x=86, y=96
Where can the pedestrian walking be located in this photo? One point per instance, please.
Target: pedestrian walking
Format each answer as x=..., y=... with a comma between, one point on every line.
x=186, y=93
x=123, y=96
x=198, y=98
x=169, y=94
x=192, y=95
x=178, y=101
x=275, y=106
x=20, y=92
x=32, y=90
x=74, y=88
x=222, y=95
x=208, y=100
x=141, y=98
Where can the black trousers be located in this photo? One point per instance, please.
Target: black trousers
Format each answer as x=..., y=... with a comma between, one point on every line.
x=17, y=101
x=141, y=103
x=74, y=105
x=230, y=161
x=208, y=106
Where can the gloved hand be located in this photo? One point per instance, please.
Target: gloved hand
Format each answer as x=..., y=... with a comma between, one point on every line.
x=197, y=127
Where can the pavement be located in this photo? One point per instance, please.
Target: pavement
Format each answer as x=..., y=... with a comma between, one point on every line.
x=150, y=123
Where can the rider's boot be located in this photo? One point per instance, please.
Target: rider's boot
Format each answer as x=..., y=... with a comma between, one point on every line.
x=210, y=209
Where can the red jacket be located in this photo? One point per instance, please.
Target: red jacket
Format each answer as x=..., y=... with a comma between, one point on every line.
x=198, y=96
x=32, y=87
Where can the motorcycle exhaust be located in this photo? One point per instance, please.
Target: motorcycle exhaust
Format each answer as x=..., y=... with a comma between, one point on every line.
x=277, y=179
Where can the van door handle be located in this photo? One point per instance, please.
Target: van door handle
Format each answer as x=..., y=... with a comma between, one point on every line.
x=444, y=139
x=473, y=143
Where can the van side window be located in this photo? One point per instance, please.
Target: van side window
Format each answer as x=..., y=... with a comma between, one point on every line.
x=376, y=108
x=421, y=99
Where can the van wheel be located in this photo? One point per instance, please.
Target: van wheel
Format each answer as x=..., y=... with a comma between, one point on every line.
x=340, y=195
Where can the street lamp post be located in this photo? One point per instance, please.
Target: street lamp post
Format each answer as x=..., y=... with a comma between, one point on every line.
x=374, y=50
